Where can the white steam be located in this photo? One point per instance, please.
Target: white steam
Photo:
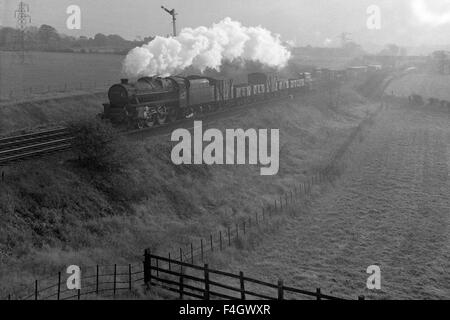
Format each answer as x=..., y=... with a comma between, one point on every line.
x=205, y=48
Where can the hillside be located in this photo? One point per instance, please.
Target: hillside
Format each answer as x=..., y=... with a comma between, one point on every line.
x=55, y=214
x=40, y=112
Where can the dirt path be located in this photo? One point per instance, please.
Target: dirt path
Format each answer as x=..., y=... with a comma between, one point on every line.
x=391, y=208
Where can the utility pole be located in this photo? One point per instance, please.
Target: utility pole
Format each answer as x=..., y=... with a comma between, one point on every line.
x=23, y=18
x=174, y=19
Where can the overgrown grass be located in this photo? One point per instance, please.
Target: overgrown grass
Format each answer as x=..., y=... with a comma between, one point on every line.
x=54, y=214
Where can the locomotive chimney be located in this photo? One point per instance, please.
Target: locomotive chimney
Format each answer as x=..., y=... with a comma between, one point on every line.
x=124, y=81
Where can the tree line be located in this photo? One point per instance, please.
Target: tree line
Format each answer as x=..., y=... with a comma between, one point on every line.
x=47, y=38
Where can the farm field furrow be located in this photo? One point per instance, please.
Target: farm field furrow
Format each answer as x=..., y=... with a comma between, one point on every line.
x=391, y=208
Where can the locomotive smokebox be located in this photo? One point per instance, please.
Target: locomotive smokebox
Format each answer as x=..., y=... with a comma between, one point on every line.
x=124, y=81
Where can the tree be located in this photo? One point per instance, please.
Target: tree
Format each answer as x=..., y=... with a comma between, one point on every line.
x=48, y=37
x=100, y=40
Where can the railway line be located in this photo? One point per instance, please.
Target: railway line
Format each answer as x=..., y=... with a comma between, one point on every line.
x=27, y=146
x=34, y=145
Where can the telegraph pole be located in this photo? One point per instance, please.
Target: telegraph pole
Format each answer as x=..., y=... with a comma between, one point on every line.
x=174, y=19
x=23, y=18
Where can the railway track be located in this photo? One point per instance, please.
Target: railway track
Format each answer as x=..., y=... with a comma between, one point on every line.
x=34, y=145
x=23, y=147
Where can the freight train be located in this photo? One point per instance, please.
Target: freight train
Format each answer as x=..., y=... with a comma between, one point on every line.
x=152, y=101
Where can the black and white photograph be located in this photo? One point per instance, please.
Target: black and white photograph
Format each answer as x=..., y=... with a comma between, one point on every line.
x=228, y=152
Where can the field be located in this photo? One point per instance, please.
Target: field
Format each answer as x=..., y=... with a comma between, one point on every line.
x=44, y=71
x=427, y=85
x=390, y=208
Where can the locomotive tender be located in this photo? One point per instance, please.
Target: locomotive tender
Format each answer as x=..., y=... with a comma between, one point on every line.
x=154, y=101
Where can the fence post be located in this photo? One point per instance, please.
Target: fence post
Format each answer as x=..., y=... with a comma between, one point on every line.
x=181, y=255
x=36, y=293
x=115, y=280
x=243, y=224
x=201, y=248
x=318, y=294
x=192, y=253
x=59, y=286
x=211, y=240
x=241, y=280
x=281, y=203
x=79, y=294
x=229, y=236
x=181, y=286
x=157, y=267
x=206, y=282
x=96, y=281
x=280, y=290
x=256, y=217
x=170, y=264
x=129, y=276
x=147, y=268
x=220, y=240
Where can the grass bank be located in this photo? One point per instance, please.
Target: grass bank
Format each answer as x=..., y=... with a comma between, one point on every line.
x=54, y=214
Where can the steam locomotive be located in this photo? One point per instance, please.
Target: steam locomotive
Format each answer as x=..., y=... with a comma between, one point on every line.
x=152, y=101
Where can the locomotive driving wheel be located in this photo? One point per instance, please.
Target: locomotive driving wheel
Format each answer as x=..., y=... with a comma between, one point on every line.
x=189, y=113
x=140, y=124
x=162, y=115
x=172, y=115
x=150, y=122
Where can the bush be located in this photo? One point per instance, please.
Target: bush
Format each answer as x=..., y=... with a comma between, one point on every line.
x=98, y=146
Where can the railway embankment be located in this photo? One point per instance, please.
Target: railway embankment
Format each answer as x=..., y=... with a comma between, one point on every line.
x=56, y=213
x=36, y=114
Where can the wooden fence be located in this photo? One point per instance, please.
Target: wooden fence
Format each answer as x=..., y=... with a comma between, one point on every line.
x=201, y=282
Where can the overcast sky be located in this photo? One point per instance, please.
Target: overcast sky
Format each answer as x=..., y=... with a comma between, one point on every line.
x=314, y=22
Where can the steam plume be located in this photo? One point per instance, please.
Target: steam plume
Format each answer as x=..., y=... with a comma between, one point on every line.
x=204, y=48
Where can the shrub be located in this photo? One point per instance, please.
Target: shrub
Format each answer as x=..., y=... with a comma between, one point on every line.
x=98, y=146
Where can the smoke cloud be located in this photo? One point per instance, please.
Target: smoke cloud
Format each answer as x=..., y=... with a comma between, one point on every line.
x=204, y=48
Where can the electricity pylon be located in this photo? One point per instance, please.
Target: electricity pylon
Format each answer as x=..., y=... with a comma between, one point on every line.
x=23, y=18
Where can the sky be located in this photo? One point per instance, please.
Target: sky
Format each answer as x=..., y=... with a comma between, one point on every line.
x=304, y=22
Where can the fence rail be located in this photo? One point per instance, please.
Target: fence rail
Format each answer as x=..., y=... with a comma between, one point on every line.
x=202, y=282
